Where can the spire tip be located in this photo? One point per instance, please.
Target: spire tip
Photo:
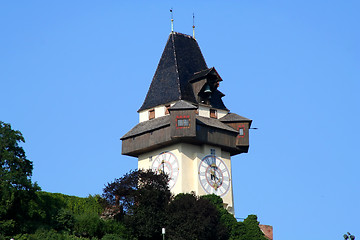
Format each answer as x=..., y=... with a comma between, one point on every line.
x=193, y=26
x=172, y=20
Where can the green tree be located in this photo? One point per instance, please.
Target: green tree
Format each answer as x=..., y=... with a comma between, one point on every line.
x=60, y=212
x=247, y=230
x=253, y=231
x=142, y=202
x=191, y=217
x=16, y=188
x=140, y=198
x=64, y=220
x=236, y=229
x=89, y=225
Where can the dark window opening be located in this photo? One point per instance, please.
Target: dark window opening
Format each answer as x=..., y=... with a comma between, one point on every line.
x=167, y=112
x=151, y=114
x=213, y=113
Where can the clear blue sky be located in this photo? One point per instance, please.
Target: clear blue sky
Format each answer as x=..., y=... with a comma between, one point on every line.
x=74, y=73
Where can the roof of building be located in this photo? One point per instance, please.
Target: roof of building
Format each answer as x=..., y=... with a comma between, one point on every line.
x=148, y=126
x=180, y=105
x=216, y=101
x=164, y=121
x=181, y=58
x=204, y=73
x=212, y=122
x=233, y=117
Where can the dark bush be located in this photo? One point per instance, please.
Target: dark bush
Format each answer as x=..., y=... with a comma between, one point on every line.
x=115, y=227
x=112, y=237
x=64, y=220
x=89, y=225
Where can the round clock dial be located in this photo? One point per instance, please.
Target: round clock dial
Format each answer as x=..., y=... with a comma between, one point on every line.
x=214, y=176
x=168, y=163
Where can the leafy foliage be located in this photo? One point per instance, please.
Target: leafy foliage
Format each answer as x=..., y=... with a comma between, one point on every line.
x=142, y=197
x=124, y=192
x=89, y=225
x=16, y=169
x=52, y=202
x=64, y=220
x=16, y=188
x=63, y=217
x=32, y=214
x=190, y=217
x=48, y=234
x=253, y=231
x=115, y=228
x=144, y=202
x=236, y=229
x=58, y=211
x=112, y=237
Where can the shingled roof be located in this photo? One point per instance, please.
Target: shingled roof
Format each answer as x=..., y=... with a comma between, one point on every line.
x=205, y=73
x=181, y=58
x=214, y=123
x=233, y=117
x=148, y=126
x=161, y=122
x=181, y=105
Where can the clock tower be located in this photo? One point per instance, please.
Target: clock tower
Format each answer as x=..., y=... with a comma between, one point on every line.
x=184, y=128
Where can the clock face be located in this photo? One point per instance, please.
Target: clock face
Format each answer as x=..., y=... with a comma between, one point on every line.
x=168, y=163
x=214, y=176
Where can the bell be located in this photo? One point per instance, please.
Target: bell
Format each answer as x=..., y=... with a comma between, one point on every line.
x=207, y=89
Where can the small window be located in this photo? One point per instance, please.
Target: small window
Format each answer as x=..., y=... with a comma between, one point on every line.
x=213, y=113
x=212, y=151
x=241, y=131
x=167, y=112
x=183, y=122
x=151, y=114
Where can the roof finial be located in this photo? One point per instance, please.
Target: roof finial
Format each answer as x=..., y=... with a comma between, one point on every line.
x=172, y=20
x=193, y=25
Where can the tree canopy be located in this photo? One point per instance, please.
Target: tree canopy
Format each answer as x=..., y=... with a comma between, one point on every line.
x=191, y=217
x=142, y=200
x=16, y=188
x=140, y=197
x=16, y=169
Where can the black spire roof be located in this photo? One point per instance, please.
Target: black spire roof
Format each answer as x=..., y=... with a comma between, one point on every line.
x=180, y=60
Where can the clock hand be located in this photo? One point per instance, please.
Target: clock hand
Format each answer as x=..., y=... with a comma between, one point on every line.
x=212, y=176
x=163, y=165
x=217, y=178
